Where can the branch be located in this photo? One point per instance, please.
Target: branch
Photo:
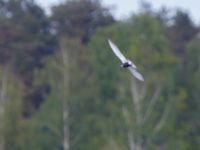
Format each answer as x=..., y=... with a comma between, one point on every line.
x=163, y=119
x=136, y=102
x=143, y=92
x=152, y=103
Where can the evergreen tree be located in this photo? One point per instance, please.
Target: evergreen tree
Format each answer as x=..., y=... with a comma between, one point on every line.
x=26, y=40
x=80, y=18
x=181, y=32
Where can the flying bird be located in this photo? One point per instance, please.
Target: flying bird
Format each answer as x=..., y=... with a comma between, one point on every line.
x=126, y=63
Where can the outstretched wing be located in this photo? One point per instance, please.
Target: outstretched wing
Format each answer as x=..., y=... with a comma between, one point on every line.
x=117, y=52
x=133, y=65
x=136, y=74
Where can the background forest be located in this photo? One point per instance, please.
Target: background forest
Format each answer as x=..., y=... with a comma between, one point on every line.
x=61, y=87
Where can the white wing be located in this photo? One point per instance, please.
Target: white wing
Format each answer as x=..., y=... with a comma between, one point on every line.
x=136, y=74
x=117, y=52
x=133, y=65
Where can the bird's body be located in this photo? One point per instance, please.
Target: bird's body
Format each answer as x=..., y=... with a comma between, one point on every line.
x=126, y=65
x=125, y=62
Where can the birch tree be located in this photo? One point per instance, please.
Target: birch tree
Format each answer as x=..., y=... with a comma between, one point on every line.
x=2, y=101
x=151, y=100
x=143, y=111
x=65, y=96
x=72, y=55
x=10, y=108
x=145, y=106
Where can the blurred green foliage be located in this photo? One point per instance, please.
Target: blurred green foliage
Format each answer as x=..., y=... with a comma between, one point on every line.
x=58, y=64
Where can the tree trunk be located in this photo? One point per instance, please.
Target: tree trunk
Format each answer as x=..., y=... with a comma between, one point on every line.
x=2, y=101
x=131, y=141
x=65, y=70
x=138, y=111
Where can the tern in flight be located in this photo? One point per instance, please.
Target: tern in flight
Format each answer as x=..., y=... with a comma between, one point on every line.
x=126, y=63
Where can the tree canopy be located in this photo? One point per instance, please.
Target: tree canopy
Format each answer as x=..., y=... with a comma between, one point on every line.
x=61, y=86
